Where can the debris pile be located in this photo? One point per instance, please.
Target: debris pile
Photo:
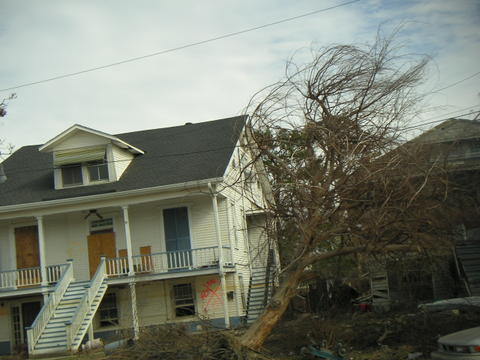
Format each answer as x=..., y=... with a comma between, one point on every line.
x=370, y=335
x=175, y=342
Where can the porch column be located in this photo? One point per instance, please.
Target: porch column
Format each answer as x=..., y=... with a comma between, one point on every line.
x=133, y=296
x=220, y=255
x=128, y=239
x=41, y=250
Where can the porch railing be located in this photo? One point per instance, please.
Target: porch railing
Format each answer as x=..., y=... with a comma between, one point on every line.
x=164, y=262
x=73, y=326
x=64, y=275
x=30, y=276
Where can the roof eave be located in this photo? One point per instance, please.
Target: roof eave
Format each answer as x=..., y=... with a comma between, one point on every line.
x=99, y=197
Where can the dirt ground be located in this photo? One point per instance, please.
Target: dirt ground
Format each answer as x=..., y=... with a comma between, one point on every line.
x=372, y=336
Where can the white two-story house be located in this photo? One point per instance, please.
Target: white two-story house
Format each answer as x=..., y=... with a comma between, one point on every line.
x=105, y=234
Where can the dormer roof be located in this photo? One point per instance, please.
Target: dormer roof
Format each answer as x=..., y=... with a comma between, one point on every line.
x=74, y=130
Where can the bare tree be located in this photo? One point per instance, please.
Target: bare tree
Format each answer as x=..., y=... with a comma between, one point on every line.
x=4, y=103
x=3, y=112
x=329, y=136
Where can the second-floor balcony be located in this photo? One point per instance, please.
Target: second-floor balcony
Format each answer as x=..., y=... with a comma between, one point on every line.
x=162, y=264
x=30, y=277
x=169, y=262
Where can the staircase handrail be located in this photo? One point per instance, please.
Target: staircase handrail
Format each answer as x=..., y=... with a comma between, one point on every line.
x=93, y=287
x=461, y=274
x=268, y=271
x=35, y=330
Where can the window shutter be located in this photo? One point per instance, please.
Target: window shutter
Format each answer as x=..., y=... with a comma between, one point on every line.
x=78, y=156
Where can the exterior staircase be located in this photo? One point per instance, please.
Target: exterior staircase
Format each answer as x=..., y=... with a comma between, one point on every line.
x=380, y=292
x=65, y=318
x=259, y=294
x=468, y=259
x=260, y=290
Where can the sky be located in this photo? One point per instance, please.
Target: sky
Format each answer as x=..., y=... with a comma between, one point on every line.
x=44, y=39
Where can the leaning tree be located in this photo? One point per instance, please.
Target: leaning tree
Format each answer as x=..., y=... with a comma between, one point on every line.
x=343, y=181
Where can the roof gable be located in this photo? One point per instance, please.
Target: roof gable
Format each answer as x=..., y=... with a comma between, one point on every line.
x=78, y=136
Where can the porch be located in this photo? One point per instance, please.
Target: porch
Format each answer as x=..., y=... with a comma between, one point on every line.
x=167, y=264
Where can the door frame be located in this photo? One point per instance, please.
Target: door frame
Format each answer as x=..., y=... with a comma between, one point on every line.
x=163, y=240
x=19, y=303
x=163, y=243
x=12, y=240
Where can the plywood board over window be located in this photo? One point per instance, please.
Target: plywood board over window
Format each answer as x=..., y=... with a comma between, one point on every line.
x=102, y=244
x=26, y=243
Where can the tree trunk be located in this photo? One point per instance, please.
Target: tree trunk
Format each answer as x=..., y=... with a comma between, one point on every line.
x=258, y=332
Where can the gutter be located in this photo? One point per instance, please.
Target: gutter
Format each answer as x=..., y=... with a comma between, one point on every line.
x=108, y=196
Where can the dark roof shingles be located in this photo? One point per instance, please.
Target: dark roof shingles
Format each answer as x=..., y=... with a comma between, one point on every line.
x=172, y=155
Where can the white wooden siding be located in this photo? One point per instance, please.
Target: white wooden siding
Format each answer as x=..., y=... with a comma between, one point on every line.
x=6, y=260
x=81, y=139
x=66, y=234
x=155, y=302
x=121, y=159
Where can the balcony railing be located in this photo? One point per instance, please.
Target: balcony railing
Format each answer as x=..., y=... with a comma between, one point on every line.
x=30, y=276
x=164, y=262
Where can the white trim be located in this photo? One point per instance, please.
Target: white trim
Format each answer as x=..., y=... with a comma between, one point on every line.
x=107, y=196
x=52, y=142
x=13, y=246
x=41, y=249
x=13, y=240
x=112, y=171
x=128, y=239
x=19, y=302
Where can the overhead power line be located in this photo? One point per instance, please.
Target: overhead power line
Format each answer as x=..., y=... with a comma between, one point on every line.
x=182, y=47
x=443, y=119
x=26, y=169
x=457, y=82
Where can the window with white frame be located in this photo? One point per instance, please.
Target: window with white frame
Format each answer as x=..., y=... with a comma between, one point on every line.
x=97, y=170
x=72, y=174
x=184, y=300
x=82, y=166
x=108, y=311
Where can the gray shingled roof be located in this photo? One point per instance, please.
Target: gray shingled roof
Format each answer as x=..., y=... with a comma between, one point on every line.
x=172, y=155
x=451, y=130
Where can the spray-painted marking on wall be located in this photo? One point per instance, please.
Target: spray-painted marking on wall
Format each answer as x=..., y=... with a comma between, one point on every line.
x=210, y=293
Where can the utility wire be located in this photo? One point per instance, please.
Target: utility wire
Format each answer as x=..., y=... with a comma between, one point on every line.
x=456, y=83
x=166, y=51
x=444, y=119
x=25, y=169
x=438, y=121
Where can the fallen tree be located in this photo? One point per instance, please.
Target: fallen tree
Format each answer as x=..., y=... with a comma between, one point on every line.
x=343, y=181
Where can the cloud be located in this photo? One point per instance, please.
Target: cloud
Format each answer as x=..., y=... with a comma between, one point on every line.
x=214, y=80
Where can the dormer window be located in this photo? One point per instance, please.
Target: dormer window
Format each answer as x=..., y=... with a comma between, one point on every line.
x=84, y=156
x=72, y=175
x=97, y=170
x=86, y=166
